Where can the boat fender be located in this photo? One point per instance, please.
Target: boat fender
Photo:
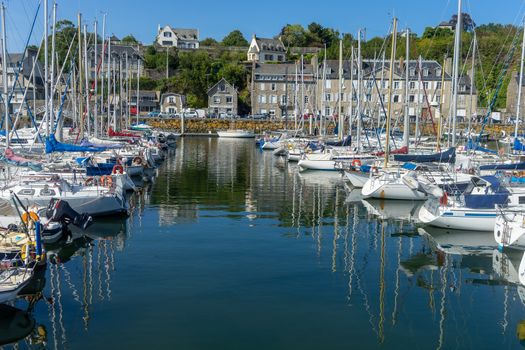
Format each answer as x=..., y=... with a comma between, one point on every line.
x=444, y=199
x=137, y=160
x=356, y=163
x=374, y=170
x=89, y=181
x=27, y=248
x=117, y=169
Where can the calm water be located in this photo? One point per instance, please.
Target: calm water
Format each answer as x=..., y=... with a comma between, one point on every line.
x=231, y=248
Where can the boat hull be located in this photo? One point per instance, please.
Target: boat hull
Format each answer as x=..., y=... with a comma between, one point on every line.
x=457, y=218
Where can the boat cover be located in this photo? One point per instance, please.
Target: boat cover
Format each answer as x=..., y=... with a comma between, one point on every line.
x=402, y=150
x=113, y=133
x=87, y=143
x=11, y=158
x=449, y=156
x=499, y=195
x=346, y=142
x=475, y=147
x=518, y=146
x=52, y=145
x=511, y=166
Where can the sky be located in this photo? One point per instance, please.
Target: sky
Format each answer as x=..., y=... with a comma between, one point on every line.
x=265, y=18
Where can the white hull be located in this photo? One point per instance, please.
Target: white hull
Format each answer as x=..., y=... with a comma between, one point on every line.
x=306, y=164
x=235, y=134
x=357, y=179
x=509, y=230
x=457, y=218
x=377, y=188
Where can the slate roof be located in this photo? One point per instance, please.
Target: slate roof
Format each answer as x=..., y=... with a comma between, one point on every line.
x=186, y=34
x=273, y=45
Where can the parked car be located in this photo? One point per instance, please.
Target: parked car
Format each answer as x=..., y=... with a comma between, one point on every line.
x=154, y=114
x=259, y=116
x=191, y=114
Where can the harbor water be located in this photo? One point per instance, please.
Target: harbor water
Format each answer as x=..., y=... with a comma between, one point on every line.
x=230, y=247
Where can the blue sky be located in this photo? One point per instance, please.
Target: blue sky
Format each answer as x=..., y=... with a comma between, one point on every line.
x=265, y=18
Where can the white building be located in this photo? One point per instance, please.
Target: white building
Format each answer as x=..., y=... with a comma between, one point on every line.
x=180, y=38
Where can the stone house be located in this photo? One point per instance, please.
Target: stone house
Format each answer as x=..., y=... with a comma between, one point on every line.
x=172, y=103
x=278, y=89
x=266, y=50
x=222, y=99
x=180, y=38
x=126, y=56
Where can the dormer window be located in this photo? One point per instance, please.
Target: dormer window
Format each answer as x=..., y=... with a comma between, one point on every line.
x=425, y=72
x=438, y=72
x=412, y=71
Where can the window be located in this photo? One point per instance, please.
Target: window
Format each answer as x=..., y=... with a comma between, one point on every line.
x=273, y=99
x=438, y=99
x=383, y=84
x=284, y=100
x=171, y=99
x=327, y=111
x=167, y=43
x=216, y=99
x=438, y=72
x=327, y=97
x=305, y=99
x=412, y=84
x=425, y=85
x=396, y=85
x=328, y=84
x=262, y=111
x=268, y=57
x=411, y=98
x=261, y=86
x=262, y=99
x=167, y=34
x=396, y=98
x=412, y=71
x=438, y=85
x=171, y=110
x=26, y=192
x=229, y=99
x=342, y=97
x=369, y=84
x=280, y=58
x=425, y=72
x=222, y=87
x=273, y=86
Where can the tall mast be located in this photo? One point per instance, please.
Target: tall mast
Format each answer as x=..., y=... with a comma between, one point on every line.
x=95, y=93
x=406, y=121
x=296, y=104
x=340, y=128
x=359, y=92
x=81, y=104
x=86, y=81
x=518, y=107
x=457, y=43
x=302, y=94
x=419, y=99
x=138, y=90
x=102, y=66
x=323, y=87
x=120, y=89
x=46, y=72
x=472, y=74
x=114, y=93
x=52, y=77
x=381, y=90
x=128, y=79
x=4, y=76
x=351, y=106
x=109, y=84
x=391, y=73
x=440, y=125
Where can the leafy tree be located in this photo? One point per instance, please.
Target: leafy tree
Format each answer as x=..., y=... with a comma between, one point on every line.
x=129, y=40
x=209, y=42
x=235, y=38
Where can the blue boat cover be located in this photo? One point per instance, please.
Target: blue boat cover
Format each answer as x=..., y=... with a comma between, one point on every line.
x=475, y=147
x=409, y=166
x=87, y=143
x=346, y=142
x=449, y=156
x=52, y=145
x=511, y=166
x=499, y=195
x=518, y=146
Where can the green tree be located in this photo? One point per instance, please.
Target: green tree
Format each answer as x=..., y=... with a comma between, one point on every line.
x=235, y=38
x=209, y=42
x=129, y=40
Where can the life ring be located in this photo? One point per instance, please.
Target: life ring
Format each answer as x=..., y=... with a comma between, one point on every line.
x=356, y=163
x=118, y=169
x=89, y=181
x=137, y=160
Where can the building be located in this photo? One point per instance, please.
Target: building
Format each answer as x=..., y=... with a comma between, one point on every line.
x=172, y=103
x=33, y=81
x=266, y=50
x=278, y=89
x=148, y=101
x=222, y=99
x=180, y=38
x=120, y=54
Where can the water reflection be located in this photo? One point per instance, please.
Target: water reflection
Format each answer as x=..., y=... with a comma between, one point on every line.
x=241, y=242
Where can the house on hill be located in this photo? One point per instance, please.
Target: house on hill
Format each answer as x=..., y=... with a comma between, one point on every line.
x=180, y=38
x=266, y=50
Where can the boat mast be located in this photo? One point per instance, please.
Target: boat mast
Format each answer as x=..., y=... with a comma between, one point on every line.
x=381, y=90
x=296, y=107
x=340, y=128
x=4, y=75
x=137, y=100
x=102, y=75
x=114, y=92
x=472, y=74
x=81, y=106
x=518, y=107
x=359, y=83
x=86, y=81
x=391, y=77
x=406, y=121
x=441, y=97
x=351, y=107
x=419, y=99
x=323, y=87
x=95, y=93
x=456, y=74
x=52, y=77
x=109, y=84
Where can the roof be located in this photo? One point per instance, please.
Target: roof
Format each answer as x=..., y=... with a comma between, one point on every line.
x=14, y=59
x=282, y=68
x=119, y=50
x=274, y=45
x=222, y=81
x=169, y=94
x=186, y=34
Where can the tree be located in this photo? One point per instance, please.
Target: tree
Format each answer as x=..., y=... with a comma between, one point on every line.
x=129, y=40
x=294, y=35
x=209, y=42
x=235, y=38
